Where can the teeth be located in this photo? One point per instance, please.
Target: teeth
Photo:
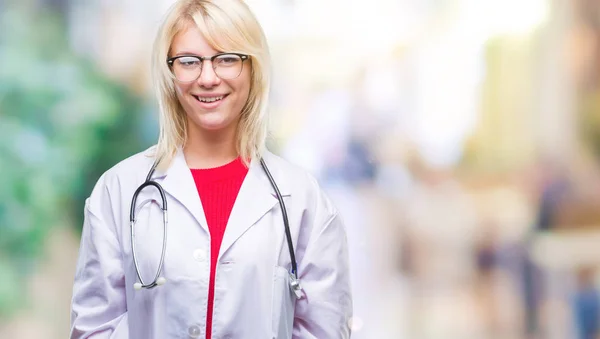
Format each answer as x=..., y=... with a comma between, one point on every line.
x=213, y=99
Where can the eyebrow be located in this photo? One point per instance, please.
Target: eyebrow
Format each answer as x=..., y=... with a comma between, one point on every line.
x=186, y=53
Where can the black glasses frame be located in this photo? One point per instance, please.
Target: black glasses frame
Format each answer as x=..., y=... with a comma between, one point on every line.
x=244, y=57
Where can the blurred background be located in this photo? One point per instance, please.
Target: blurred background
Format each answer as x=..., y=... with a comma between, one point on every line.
x=460, y=140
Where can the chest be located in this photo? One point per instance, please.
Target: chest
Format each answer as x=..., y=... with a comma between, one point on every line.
x=240, y=242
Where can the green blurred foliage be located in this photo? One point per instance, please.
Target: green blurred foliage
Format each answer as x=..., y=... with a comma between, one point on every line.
x=62, y=123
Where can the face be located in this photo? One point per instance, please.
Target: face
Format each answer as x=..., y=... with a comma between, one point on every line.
x=211, y=103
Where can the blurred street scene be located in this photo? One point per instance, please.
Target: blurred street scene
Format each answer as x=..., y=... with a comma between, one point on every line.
x=460, y=139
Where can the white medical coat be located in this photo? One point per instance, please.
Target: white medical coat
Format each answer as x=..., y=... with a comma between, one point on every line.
x=252, y=296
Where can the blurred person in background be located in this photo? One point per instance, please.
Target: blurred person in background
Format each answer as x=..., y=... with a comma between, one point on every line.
x=586, y=305
x=553, y=189
x=227, y=266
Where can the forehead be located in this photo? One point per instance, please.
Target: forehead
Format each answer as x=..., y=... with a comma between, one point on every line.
x=191, y=40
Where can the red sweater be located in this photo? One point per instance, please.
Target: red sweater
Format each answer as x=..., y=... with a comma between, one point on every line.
x=218, y=188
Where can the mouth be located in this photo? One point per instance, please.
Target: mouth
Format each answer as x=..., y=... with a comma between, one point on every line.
x=210, y=99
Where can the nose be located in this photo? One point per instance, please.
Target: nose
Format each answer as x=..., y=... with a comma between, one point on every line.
x=208, y=78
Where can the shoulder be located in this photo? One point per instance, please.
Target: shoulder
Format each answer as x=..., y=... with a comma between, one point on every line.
x=299, y=183
x=134, y=166
x=106, y=202
x=127, y=172
x=291, y=177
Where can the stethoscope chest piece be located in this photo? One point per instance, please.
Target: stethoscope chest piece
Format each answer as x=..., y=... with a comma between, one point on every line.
x=295, y=286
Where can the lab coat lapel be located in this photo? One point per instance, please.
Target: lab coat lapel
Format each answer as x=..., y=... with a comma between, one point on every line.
x=255, y=198
x=179, y=183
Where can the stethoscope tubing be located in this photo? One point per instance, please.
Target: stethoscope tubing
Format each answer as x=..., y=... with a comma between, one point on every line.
x=157, y=279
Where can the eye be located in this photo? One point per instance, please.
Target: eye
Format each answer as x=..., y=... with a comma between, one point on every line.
x=228, y=59
x=188, y=62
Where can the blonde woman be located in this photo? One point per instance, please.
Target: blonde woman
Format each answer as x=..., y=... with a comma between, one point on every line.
x=208, y=234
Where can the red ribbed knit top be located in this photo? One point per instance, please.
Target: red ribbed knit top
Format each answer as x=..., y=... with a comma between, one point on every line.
x=218, y=188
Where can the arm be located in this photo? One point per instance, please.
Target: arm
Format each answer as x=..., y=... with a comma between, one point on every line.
x=98, y=307
x=326, y=307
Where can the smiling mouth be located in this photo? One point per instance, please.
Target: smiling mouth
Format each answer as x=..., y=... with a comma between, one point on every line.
x=210, y=99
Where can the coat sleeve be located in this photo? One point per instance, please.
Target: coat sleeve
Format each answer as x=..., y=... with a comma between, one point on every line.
x=325, y=310
x=98, y=307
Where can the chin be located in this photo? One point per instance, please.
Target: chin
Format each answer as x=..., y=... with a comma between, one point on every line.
x=212, y=122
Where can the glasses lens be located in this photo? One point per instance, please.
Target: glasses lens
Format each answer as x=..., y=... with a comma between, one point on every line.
x=228, y=66
x=187, y=68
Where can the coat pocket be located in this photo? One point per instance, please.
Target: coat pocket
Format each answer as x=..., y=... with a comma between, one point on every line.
x=283, y=304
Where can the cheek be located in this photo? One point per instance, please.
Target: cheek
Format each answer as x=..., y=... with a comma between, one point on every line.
x=181, y=90
x=244, y=81
x=245, y=93
x=241, y=97
x=244, y=90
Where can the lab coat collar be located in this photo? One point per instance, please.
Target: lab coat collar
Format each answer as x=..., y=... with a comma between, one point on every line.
x=255, y=198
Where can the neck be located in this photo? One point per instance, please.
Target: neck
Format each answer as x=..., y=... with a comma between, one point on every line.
x=208, y=149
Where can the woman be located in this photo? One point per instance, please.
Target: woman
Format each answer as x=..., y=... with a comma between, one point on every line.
x=228, y=268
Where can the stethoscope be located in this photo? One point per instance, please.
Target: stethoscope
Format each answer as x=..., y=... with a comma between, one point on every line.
x=158, y=279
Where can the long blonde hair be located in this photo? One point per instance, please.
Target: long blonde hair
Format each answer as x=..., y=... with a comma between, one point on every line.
x=227, y=25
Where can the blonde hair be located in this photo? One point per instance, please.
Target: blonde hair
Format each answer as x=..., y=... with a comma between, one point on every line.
x=227, y=25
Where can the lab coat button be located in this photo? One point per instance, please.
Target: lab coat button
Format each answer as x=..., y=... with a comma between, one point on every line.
x=194, y=331
x=199, y=255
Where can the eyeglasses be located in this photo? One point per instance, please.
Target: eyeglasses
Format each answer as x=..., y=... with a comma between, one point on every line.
x=187, y=68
